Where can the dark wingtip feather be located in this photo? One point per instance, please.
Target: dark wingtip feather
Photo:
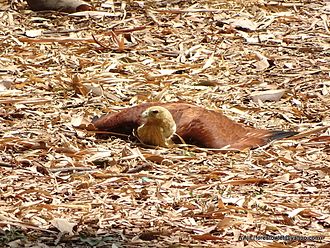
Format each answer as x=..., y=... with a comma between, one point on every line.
x=95, y=118
x=281, y=135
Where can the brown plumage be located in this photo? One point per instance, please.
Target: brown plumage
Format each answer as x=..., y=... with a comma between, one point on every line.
x=195, y=125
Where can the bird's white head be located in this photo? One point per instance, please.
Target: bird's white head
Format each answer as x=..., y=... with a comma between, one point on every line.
x=154, y=112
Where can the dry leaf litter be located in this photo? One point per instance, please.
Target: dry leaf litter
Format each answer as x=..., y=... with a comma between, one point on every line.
x=263, y=63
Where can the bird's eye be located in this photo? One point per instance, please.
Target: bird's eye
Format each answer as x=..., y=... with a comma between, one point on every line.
x=155, y=111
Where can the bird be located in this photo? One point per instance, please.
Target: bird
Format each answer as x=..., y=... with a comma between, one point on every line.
x=195, y=125
x=158, y=127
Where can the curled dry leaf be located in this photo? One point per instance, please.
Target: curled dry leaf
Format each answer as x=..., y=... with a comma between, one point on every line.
x=96, y=90
x=63, y=225
x=79, y=121
x=154, y=158
x=33, y=33
x=205, y=237
x=5, y=85
x=268, y=95
x=262, y=63
x=100, y=155
x=244, y=24
x=94, y=14
x=69, y=6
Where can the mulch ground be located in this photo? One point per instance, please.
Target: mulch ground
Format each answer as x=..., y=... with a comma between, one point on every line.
x=61, y=186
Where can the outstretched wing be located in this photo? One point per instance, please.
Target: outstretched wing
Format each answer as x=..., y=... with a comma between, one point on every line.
x=196, y=125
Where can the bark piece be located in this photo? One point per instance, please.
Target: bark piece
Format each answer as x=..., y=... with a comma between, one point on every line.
x=68, y=6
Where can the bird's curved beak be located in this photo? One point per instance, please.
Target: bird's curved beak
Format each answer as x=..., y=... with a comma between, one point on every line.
x=145, y=114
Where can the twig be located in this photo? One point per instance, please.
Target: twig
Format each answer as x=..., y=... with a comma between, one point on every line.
x=25, y=101
x=66, y=169
x=100, y=44
x=309, y=132
x=21, y=224
x=81, y=104
x=2, y=164
x=127, y=30
x=114, y=49
x=109, y=175
x=276, y=3
x=109, y=133
x=152, y=16
x=318, y=49
x=65, y=31
x=180, y=11
x=56, y=39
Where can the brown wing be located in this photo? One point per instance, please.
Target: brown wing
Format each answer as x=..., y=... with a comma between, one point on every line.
x=124, y=121
x=196, y=125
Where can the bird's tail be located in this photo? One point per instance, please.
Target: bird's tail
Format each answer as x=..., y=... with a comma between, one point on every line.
x=281, y=135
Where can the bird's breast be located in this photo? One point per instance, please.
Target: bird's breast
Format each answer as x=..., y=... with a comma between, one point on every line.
x=152, y=135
